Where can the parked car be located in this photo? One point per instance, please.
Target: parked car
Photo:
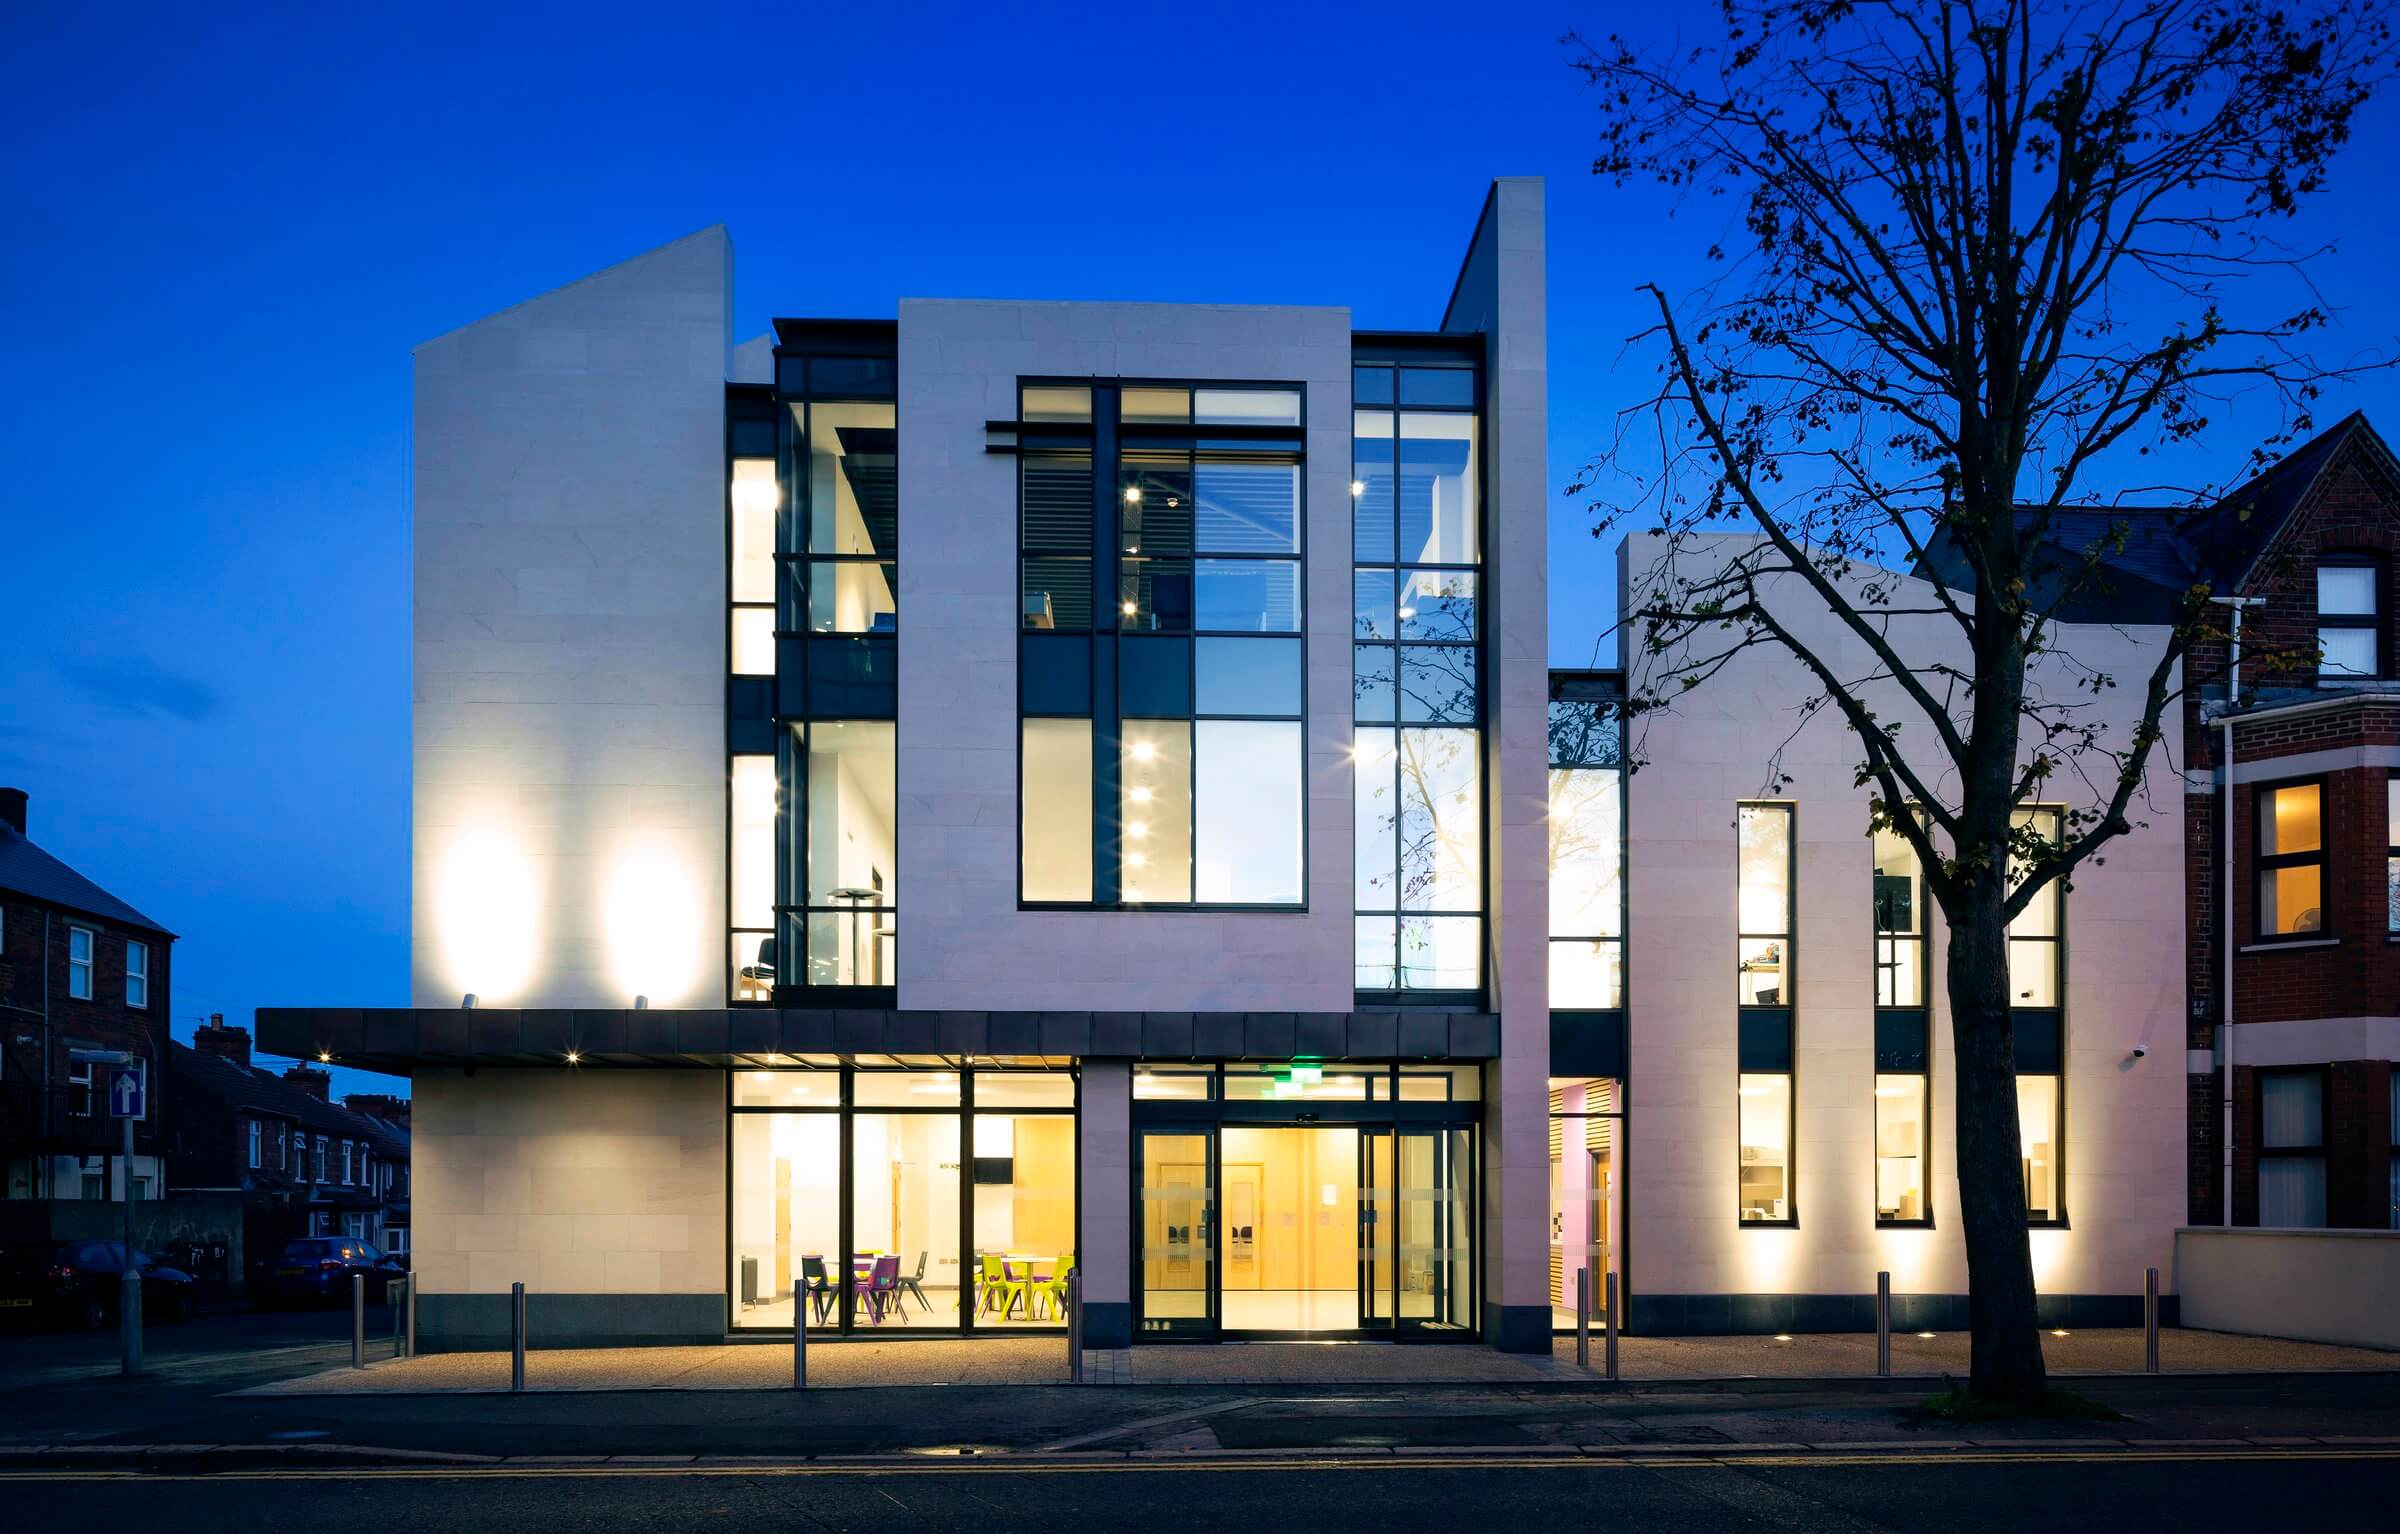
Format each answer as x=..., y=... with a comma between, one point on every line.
x=316, y=1270
x=77, y=1282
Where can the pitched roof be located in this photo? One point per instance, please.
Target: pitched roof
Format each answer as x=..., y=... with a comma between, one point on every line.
x=29, y=871
x=2231, y=535
x=2145, y=563
x=262, y=1091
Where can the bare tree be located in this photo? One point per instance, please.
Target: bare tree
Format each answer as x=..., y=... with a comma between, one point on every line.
x=1983, y=246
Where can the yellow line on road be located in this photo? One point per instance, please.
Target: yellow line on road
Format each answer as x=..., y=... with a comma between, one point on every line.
x=1036, y=1466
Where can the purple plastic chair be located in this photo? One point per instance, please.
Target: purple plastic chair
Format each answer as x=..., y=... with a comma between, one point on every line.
x=879, y=1286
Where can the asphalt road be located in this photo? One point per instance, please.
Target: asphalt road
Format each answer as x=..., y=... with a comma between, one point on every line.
x=2058, y=1495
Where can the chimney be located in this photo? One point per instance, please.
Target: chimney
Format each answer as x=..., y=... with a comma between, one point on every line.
x=12, y=809
x=379, y=1105
x=316, y=1083
x=223, y=1042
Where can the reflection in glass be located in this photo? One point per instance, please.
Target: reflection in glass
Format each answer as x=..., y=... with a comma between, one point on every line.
x=1177, y=1242
x=786, y=1217
x=1766, y=1140
x=1437, y=490
x=1587, y=974
x=1248, y=596
x=1372, y=487
x=1056, y=809
x=2033, y=938
x=1437, y=684
x=1900, y=1147
x=1375, y=798
x=1764, y=905
x=1437, y=1229
x=1247, y=507
x=1441, y=953
x=1582, y=1158
x=904, y=1220
x=1587, y=853
x=1371, y=605
x=1155, y=776
x=1438, y=604
x=1441, y=821
x=1154, y=595
x=1154, y=503
x=1248, y=817
x=1247, y=676
x=1375, y=957
x=1246, y=407
x=1374, y=682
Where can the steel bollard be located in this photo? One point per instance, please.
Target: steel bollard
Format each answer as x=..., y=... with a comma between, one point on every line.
x=1610, y=1289
x=1883, y=1326
x=1075, y=1325
x=409, y=1293
x=358, y=1320
x=2150, y=1321
x=516, y=1340
x=800, y=1336
x=1583, y=1318
x=392, y=1290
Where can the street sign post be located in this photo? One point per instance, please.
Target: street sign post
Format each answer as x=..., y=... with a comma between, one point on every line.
x=128, y=1100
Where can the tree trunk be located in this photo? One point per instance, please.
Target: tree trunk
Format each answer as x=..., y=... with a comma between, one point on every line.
x=2001, y=1318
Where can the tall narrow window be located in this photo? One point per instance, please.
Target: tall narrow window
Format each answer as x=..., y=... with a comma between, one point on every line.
x=2349, y=617
x=1900, y=1148
x=1765, y=958
x=1766, y=1145
x=1587, y=855
x=2038, y=1145
x=137, y=973
x=258, y=1140
x=2291, y=860
x=2391, y=853
x=1416, y=690
x=1160, y=582
x=1902, y=1062
x=79, y=963
x=2291, y=1148
x=750, y=870
x=1899, y=922
x=2033, y=938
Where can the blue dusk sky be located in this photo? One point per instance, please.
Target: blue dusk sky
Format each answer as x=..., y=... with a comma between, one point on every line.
x=227, y=226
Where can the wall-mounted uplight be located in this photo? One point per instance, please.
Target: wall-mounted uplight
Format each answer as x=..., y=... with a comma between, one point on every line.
x=324, y=1058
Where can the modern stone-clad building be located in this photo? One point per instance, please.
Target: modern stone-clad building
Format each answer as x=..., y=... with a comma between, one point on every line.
x=907, y=808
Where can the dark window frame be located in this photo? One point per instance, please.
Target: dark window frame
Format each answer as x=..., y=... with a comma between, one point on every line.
x=1101, y=445
x=2391, y=854
x=2320, y=1152
x=2370, y=621
x=2262, y=863
x=1599, y=748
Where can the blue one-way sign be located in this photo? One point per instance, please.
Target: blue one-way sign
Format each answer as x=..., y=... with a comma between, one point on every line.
x=125, y=1092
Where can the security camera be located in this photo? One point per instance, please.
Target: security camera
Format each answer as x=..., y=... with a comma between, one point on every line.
x=2140, y=1050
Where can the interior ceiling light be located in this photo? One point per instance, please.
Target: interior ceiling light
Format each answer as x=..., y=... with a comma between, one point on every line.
x=1358, y=487
x=1133, y=495
x=1130, y=609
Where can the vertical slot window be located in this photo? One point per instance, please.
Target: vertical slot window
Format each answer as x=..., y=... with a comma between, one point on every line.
x=2291, y=860
x=1764, y=957
x=1056, y=810
x=2038, y=1129
x=1899, y=921
x=2291, y=1149
x=2034, y=938
x=1587, y=858
x=1766, y=1147
x=1900, y=1149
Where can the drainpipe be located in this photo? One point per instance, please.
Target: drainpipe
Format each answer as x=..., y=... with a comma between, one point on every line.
x=2225, y=933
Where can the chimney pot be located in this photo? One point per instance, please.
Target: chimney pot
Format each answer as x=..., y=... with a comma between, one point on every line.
x=223, y=1042
x=12, y=809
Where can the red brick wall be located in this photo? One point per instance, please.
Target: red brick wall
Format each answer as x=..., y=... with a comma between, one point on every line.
x=2358, y=975
x=2358, y=1143
x=102, y=1022
x=2350, y=512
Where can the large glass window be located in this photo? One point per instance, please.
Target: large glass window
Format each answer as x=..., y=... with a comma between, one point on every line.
x=1764, y=905
x=2291, y=860
x=1900, y=1148
x=2034, y=937
x=2038, y=1142
x=1586, y=1125
x=2291, y=1148
x=1185, y=690
x=2349, y=618
x=814, y=581
x=1587, y=857
x=1766, y=1147
x=1416, y=679
x=956, y=1189
x=1899, y=922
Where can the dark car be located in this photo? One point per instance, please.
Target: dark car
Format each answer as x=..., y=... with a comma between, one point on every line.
x=77, y=1282
x=316, y=1270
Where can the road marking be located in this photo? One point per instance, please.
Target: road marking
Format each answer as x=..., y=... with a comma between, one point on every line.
x=1465, y=1460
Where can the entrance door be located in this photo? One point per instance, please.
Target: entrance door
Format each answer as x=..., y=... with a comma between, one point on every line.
x=1291, y=1238
x=1376, y=1226
x=1176, y=1222
x=1437, y=1230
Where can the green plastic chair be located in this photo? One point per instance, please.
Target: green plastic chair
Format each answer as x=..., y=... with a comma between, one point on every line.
x=996, y=1287
x=1054, y=1288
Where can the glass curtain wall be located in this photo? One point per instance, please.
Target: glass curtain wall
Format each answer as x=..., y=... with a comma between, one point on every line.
x=1587, y=858
x=814, y=499
x=1416, y=677
x=902, y=1199
x=1160, y=662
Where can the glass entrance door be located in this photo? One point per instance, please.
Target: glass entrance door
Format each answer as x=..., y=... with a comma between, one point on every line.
x=1437, y=1230
x=1175, y=1220
x=1376, y=1293
x=1291, y=1200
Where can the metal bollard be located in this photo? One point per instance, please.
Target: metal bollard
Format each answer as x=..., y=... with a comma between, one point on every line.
x=2150, y=1321
x=1610, y=1289
x=1075, y=1325
x=1883, y=1326
x=800, y=1336
x=1583, y=1318
x=409, y=1293
x=392, y=1290
x=358, y=1320
x=516, y=1341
